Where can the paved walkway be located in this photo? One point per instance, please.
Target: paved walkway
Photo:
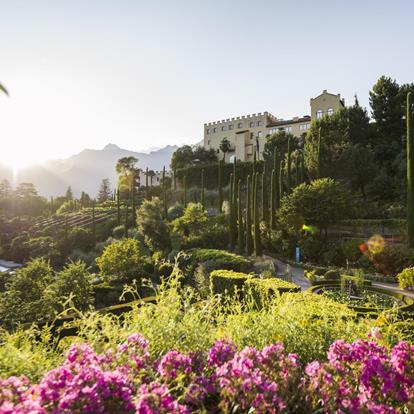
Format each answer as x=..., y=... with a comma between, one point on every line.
x=298, y=277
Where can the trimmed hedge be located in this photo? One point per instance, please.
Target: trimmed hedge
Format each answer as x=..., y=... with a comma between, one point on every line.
x=221, y=259
x=226, y=281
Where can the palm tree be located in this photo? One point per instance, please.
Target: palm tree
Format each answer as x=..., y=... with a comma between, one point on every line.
x=4, y=90
x=225, y=147
x=127, y=171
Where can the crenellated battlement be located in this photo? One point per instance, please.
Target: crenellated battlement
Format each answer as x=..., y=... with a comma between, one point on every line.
x=240, y=118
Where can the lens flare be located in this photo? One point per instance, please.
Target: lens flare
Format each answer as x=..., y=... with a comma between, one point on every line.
x=376, y=244
x=309, y=229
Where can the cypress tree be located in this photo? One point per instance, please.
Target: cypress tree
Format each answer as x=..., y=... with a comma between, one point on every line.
x=254, y=163
x=146, y=185
x=276, y=179
x=175, y=180
x=249, y=241
x=240, y=230
x=410, y=175
x=319, y=166
x=281, y=192
x=256, y=240
x=220, y=187
x=134, y=213
x=303, y=168
x=289, y=166
x=202, y=190
x=185, y=191
x=297, y=169
x=93, y=222
x=164, y=194
x=66, y=228
x=272, y=199
x=52, y=207
x=126, y=221
x=231, y=214
x=265, y=207
x=118, y=207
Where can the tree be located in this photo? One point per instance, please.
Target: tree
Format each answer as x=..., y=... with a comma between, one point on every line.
x=279, y=142
x=249, y=240
x=193, y=222
x=105, y=192
x=321, y=203
x=410, y=174
x=74, y=281
x=187, y=156
x=122, y=261
x=127, y=171
x=151, y=225
x=225, y=147
x=69, y=194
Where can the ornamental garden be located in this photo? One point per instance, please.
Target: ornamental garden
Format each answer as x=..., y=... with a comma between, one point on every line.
x=278, y=286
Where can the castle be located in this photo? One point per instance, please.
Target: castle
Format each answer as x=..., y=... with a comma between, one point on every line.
x=247, y=134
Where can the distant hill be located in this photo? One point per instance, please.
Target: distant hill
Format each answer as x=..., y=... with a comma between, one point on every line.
x=85, y=171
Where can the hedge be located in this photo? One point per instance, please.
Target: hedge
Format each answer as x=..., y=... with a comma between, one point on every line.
x=226, y=281
x=220, y=259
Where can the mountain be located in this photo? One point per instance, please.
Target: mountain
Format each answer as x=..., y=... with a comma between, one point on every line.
x=85, y=171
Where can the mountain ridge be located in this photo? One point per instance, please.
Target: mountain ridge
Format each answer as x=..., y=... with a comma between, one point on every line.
x=85, y=170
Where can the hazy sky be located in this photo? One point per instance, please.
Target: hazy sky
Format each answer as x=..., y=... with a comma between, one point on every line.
x=142, y=74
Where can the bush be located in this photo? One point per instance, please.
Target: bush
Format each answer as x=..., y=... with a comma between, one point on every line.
x=118, y=232
x=221, y=259
x=333, y=256
x=406, y=278
x=81, y=239
x=332, y=275
x=122, y=261
x=311, y=249
x=193, y=221
x=227, y=281
x=351, y=249
x=264, y=289
x=175, y=211
x=393, y=259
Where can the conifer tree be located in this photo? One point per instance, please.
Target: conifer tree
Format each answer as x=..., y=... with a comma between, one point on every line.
x=276, y=178
x=133, y=208
x=272, y=199
x=249, y=241
x=281, y=189
x=52, y=207
x=297, y=169
x=240, y=230
x=185, y=191
x=231, y=214
x=220, y=187
x=289, y=166
x=118, y=207
x=256, y=240
x=146, y=185
x=126, y=221
x=265, y=207
x=164, y=194
x=66, y=236
x=319, y=166
x=410, y=174
x=93, y=222
x=202, y=190
x=175, y=180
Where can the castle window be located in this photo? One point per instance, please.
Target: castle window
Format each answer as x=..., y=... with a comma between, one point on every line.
x=208, y=132
x=251, y=124
x=259, y=123
x=319, y=114
x=330, y=111
x=231, y=127
x=208, y=142
x=214, y=130
x=223, y=128
x=259, y=134
x=289, y=129
x=240, y=125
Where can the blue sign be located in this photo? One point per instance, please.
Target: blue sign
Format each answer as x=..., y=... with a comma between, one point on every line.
x=297, y=254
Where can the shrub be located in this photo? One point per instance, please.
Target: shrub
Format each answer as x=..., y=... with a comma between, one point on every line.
x=351, y=249
x=332, y=275
x=192, y=222
x=311, y=248
x=118, y=232
x=81, y=239
x=227, y=281
x=221, y=259
x=406, y=278
x=263, y=289
x=333, y=256
x=175, y=211
x=122, y=261
x=393, y=258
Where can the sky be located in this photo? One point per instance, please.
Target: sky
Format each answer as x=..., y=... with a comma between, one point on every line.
x=145, y=74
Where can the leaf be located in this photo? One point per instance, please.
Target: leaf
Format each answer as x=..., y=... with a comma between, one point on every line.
x=3, y=89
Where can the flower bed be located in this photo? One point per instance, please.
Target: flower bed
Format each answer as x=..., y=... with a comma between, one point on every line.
x=355, y=378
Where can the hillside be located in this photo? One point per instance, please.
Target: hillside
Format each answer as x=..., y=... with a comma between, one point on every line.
x=85, y=171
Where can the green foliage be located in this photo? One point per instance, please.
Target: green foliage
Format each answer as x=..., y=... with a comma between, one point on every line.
x=227, y=281
x=221, y=259
x=351, y=249
x=192, y=223
x=122, y=261
x=406, y=278
x=81, y=239
x=175, y=211
x=332, y=274
x=67, y=207
x=187, y=156
x=257, y=244
x=321, y=203
x=29, y=295
x=240, y=229
x=118, y=232
x=105, y=192
x=249, y=239
x=74, y=282
x=151, y=225
x=410, y=174
x=393, y=258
